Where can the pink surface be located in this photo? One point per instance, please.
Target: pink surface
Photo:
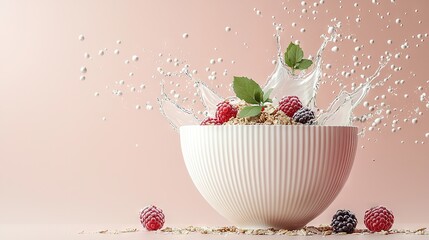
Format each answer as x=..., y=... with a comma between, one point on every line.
x=60, y=163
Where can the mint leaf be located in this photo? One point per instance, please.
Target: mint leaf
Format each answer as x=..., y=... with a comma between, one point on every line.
x=290, y=55
x=304, y=64
x=299, y=54
x=294, y=58
x=267, y=95
x=247, y=89
x=259, y=96
x=250, y=111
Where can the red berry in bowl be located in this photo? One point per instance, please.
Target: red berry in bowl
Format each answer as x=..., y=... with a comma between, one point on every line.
x=210, y=121
x=290, y=105
x=378, y=219
x=152, y=218
x=225, y=111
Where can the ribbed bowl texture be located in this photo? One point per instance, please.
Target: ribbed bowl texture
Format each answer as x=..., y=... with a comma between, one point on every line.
x=263, y=176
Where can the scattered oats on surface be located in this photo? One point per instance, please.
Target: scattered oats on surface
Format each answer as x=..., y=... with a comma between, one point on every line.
x=322, y=230
x=421, y=231
x=306, y=231
x=128, y=230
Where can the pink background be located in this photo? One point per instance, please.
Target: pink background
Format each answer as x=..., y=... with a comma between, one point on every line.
x=60, y=163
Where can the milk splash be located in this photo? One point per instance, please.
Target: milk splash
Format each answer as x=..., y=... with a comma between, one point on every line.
x=283, y=82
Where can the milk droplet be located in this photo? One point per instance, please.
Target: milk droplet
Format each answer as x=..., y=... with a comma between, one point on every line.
x=389, y=41
x=219, y=60
x=104, y=118
x=122, y=82
x=335, y=49
x=427, y=135
x=258, y=12
x=138, y=107
x=414, y=120
x=81, y=37
x=302, y=30
x=118, y=42
x=398, y=21
x=227, y=29
x=117, y=92
x=371, y=41
x=101, y=52
x=135, y=58
x=185, y=35
x=96, y=94
x=377, y=121
x=83, y=70
x=86, y=55
x=212, y=61
x=149, y=107
x=82, y=78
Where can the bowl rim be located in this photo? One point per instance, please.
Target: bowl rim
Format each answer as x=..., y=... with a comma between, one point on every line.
x=265, y=126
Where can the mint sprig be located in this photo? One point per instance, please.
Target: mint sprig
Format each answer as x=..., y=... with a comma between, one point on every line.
x=294, y=58
x=250, y=91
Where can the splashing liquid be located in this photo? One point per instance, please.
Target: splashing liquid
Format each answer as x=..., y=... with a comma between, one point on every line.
x=283, y=82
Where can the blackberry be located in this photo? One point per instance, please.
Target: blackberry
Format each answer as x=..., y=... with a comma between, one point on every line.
x=344, y=221
x=304, y=115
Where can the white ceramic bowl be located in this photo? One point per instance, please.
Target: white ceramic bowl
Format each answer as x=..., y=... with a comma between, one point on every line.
x=269, y=176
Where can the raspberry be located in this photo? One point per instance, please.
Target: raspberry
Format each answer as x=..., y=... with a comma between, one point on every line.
x=289, y=105
x=210, y=121
x=378, y=219
x=344, y=221
x=225, y=111
x=304, y=115
x=152, y=218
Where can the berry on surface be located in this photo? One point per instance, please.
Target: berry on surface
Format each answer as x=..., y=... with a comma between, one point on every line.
x=290, y=105
x=344, y=221
x=152, y=218
x=378, y=219
x=304, y=115
x=225, y=111
x=210, y=121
